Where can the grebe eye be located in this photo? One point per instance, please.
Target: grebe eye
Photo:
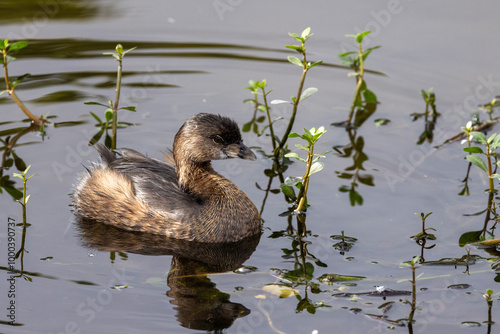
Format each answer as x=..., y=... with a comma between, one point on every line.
x=218, y=139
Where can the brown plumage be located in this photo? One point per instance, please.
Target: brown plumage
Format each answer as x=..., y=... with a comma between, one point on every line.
x=182, y=198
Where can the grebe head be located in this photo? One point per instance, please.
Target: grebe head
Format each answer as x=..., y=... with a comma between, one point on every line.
x=206, y=137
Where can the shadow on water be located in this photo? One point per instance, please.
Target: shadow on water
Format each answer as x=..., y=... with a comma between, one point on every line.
x=19, y=10
x=199, y=304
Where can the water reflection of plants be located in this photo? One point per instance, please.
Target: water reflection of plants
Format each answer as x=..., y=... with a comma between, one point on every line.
x=364, y=104
x=422, y=237
x=364, y=100
x=304, y=262
x=430, y=116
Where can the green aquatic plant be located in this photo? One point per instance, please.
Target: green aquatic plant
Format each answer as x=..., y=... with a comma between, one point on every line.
x=24, y=200
x=424, y=235
x=302, y=93
x=6, y=48
x=258, y=88
x=355, y=60
x=111, y=113
x=491, y=144
x=489, y=108
x=489, y=301
x=345, y=243
x=354, y=172
x=312, y=166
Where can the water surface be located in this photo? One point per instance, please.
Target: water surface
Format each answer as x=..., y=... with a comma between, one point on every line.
x=198, y=57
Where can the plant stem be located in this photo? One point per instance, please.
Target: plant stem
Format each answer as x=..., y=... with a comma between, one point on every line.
x=10, y=90
x=490, y=169
x=359, y=83
x=295, y=104
x=264, y=94
x=301, y=197
x=117, y=99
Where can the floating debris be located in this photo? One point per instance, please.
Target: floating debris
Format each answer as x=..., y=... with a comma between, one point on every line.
x=280, y=290
x=331, y=278
x=245, y=270
x=459, y=286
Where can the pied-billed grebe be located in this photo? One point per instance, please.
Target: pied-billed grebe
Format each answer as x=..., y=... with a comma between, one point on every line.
x=182, y=198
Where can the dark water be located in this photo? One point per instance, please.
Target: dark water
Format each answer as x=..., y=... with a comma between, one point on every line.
x=193, y=57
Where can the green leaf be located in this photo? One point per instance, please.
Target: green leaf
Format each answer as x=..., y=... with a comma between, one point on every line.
x=3, y=44
x=129, y=108
x=473, y=149
x=316, y=167
x=293, y=135
x=131, y=49
x=279, y=101
x=293, y=180
x=294, y=155
x=18, y=45
x=355, y=197
x=247, y=126
x=302, y=147
x=295, y=47
x=96, y=103
x=479, y=136
x=478, y=162
x=382, y=121
x=308, y=93
x=306, y=32
x=316, y=64
x=469, y=237
x=21, y=78
x=10, y=58
x=96, y=118
x=369, y=96
x=361, y=36
x=108, y=114
x=366, y=180
x=288, y=191
x=295, y=61
x=344, y=54
x=490, y=139
x=96, y=137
